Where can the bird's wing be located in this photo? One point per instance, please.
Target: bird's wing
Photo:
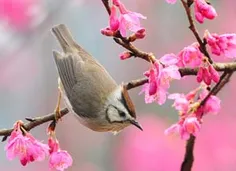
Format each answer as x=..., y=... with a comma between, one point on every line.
x=87, y=84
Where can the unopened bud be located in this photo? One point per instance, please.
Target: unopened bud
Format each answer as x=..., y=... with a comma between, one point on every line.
x=107, y=32
x=140, y=34
x=125, y=55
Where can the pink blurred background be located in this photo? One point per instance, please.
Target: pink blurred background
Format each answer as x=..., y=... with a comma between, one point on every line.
x=28, y=85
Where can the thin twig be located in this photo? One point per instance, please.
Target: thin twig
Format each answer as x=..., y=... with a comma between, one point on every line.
x=106, y=5
x=193, y=28
x=125, y=42
x=35, y=122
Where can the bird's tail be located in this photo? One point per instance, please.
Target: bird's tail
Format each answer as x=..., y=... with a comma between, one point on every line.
x=64, y=37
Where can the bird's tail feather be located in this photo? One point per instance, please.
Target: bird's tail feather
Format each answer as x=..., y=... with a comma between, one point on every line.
x=64, y=37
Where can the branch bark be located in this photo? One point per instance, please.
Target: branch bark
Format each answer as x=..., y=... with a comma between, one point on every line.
x=189, y=156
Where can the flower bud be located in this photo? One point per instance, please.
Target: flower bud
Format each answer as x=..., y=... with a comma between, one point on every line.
x=125, y=55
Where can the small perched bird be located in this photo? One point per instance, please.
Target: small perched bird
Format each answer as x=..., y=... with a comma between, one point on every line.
x=88, y=89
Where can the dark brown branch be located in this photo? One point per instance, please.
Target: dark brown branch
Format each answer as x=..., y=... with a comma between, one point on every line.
x=106, y=5
x=189, y=157
x=35, y=122
x=193, y=28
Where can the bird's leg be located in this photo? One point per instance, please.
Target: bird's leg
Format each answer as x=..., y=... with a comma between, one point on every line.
x=57, y=110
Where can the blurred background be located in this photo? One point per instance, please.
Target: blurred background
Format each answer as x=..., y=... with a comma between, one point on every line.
x=28, y=85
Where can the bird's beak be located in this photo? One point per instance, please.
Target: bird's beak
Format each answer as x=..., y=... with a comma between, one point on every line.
x=135, y=123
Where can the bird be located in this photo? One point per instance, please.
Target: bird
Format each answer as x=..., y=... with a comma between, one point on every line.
x=88, y=89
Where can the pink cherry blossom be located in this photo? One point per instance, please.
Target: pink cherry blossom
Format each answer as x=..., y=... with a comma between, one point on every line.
x=153, y=91
x=171, y=1
x=159, y=78
x=222, y=44
x=113, y=19
x=185, y=127
x=128, y=20
x=169, y=59
x=25, y=147
x=140, y=34
x=113, y=23
x=107, y=32
x=58, y=159
x=191, y=125
x=212, y=105
x=203, y=10
x=190, y=56
x=181, y=103
x=125, y=55
x=207, y=74
x=177, y=128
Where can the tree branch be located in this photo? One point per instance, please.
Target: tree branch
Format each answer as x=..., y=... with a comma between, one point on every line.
x=193, y=28
x=125, y=42
x=34, y=122
x=189, y=157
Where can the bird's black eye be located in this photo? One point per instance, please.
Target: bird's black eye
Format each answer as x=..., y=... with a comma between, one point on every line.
x=122, y=114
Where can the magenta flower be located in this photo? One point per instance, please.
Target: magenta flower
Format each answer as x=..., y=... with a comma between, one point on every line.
x=113, y=23
x=125, y=55
x=25, y=147
x=113, y=19
x=190, y=56
x=204, y=10
x=212, y=105
x=153, y=90
x=128, y=20
x=222, y=44
x=140, y=34
x=181, y=103
x=185, y=127
x=159, y=78
x=207, y=74
x=58, y=159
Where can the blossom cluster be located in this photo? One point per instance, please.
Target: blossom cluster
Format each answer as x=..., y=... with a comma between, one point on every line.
x=23, y=145
x=167, y=68
x=127, y=20
x=202, y=10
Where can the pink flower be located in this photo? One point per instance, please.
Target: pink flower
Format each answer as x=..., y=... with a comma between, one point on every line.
x=181, y=103
x=153, y=91
x=222, y=44
x=171, y=1
x=128, y=20
x=125, y=55
x=169, y=59
x=190, y=56
x=212, y=105
x=58, y=159
x=159, y=78
x=185, y=127
x=140, y=34
x=25, y=147
x=113, y=19
x=113, y=23
x=107, y=32
x=207, y=74
x=204, y=10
